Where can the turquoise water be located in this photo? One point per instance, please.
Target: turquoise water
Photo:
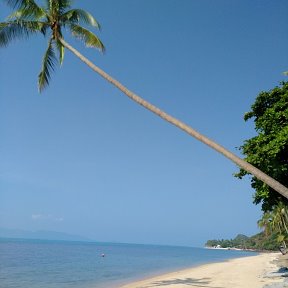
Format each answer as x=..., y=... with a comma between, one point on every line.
x=51, y=264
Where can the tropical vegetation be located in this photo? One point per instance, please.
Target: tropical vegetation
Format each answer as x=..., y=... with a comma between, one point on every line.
x=259, y=242
x=268, y=150
x=51, y=20
x=275, y=224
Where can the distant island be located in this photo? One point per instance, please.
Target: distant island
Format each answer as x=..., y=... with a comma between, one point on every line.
x=40, y=235
x=259, y=242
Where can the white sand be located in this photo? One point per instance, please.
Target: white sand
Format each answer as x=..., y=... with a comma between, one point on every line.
x=246, y=272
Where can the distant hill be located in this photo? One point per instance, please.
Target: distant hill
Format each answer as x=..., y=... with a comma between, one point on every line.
x=256, y=242
x=41, y=235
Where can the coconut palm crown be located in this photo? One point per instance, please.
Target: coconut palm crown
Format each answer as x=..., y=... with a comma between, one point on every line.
x=30, y=18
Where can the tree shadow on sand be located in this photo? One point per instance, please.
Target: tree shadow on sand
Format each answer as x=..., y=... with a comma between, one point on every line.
x=193, y=282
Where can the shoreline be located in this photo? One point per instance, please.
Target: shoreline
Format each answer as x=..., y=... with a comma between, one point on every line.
x=251, y=271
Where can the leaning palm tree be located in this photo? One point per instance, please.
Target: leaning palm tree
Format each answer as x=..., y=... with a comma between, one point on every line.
x=55, y=16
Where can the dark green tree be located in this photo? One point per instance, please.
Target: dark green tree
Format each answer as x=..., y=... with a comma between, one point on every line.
x=268, y=151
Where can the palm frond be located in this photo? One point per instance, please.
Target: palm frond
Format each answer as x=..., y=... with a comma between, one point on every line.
x=32, y=12
x=15, y=3
x=48, y=65
x=89, y=38
x=21, y=3
x=58, y=6
x=12, y=30
x=64, y=5
x=61, y=50
x=79, y=16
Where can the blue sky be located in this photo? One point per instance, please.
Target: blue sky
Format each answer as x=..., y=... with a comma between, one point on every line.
x=82, y=158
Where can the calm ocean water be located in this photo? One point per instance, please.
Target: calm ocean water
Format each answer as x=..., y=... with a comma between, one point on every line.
x=51, y=264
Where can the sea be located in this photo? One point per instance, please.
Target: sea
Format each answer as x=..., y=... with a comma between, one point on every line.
x=63, y=264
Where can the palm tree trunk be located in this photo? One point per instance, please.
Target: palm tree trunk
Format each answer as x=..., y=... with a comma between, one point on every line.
x=238, y=161
x=284, y=224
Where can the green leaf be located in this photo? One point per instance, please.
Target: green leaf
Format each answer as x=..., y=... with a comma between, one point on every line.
x=48, y=65
x=280, y=238
x=12, y=30
x=61, y=50
x=30, y=18
x=268, y=150
x=58, y=6
x=16, y=3
x=22, y=4
x=89, y=38
x=32, y=12
x=79, y=16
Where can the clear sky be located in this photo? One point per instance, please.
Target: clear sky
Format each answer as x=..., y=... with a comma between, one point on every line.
x=82, y=158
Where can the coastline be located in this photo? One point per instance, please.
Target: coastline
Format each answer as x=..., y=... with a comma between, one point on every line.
x=250, y=271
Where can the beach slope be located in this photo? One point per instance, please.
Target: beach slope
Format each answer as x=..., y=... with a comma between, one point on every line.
x=237, y=273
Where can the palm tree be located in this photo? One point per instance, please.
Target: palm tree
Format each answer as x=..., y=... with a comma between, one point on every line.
x=30, y=18
x=278, y=223
x=280, y=214
x=275, y=223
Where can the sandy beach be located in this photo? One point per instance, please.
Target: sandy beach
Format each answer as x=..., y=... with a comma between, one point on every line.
x=243, y=272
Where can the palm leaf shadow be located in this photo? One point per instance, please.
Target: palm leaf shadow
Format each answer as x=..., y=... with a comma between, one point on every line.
x=193, y=282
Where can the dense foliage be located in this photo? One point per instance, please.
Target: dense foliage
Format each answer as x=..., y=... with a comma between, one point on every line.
x=257, y=242
x=238, y=242
x=275, y=223
x=268, y=151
